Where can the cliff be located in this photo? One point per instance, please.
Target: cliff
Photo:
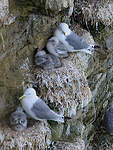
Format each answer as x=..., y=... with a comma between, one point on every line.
x=81, y=88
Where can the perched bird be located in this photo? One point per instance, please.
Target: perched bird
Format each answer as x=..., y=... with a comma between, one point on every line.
x=46, y=61
x=18, y=120
x=56, y=47
x=108, y=120
x=72, y=41
x=37, y=108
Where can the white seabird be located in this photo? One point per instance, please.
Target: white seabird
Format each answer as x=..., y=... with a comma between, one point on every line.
x=72, y=41
x=56, y=47
x=37, y=108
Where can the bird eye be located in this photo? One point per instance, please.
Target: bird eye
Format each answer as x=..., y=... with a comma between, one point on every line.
x=22, y=121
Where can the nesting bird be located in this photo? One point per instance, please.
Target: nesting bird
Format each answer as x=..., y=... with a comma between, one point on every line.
x=56, y=47
x=46, y=61
x=37, y=108
x=72, y=41
x=18, y=120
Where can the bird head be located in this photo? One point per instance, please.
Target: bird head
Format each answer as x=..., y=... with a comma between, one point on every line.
x=54, y=40
x=28, y=93
x=40, y=53
x=64, y=28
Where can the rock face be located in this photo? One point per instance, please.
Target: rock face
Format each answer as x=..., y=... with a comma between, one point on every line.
x=46, y=7
x=36, y=137
x=75, y=89
x=97, y=13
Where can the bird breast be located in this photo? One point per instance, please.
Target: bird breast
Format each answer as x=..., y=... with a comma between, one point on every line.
x=27, y=105
x=60, y=35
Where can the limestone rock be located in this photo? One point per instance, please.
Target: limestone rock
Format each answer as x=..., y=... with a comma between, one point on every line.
x=58, y=5
x=75, y=89
x=95, y=12
x=2, y=136
x=35, y=137
x=5, y=17
x=66, y=85
x=65, y=89
x=108, y=119
x=18, y=42
x=79, y=144
x=109, y=43
x=105, y=13
x=46, y=7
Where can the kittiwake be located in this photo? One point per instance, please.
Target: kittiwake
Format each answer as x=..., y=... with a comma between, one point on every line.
x=18, y=120
x=46, y=61
x=72, y=41
x=56, y=47
x=37, y=108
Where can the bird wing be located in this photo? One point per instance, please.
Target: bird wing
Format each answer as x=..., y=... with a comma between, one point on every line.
x=76, y=41
x=42, y=111
x=61, y=49
x=40, y=60
x=49, y=64
x=55, y=60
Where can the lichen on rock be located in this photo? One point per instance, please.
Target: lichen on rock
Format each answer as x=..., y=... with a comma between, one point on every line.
x=35, y=137
x=75, y=89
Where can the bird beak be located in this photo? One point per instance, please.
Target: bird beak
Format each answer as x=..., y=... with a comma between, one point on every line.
x=64, y=33
x=21, y=97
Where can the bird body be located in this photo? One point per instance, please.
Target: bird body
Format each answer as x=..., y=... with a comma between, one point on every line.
x=76, y=41
x=46, y=61
x=37, y=108
x=27, y=105
x=72, y=41
x=56, y=47
x=18, y=120
x=40, y=57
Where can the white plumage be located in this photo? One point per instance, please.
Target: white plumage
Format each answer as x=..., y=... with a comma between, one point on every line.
x=72, y=41
x=37, y=108
x=56, y=47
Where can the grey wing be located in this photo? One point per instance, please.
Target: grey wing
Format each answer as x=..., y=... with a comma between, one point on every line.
x=40, y=60
x=76, y=41
x=42, y=110
x=56, y=61
x=49, y=64
x=61, y=49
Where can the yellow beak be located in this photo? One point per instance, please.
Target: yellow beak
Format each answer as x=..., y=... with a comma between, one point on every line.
x=64, y=33
x=21, y=97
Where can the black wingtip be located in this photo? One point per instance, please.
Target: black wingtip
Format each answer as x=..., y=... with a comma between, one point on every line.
x=97, y=46
x=67, y=118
